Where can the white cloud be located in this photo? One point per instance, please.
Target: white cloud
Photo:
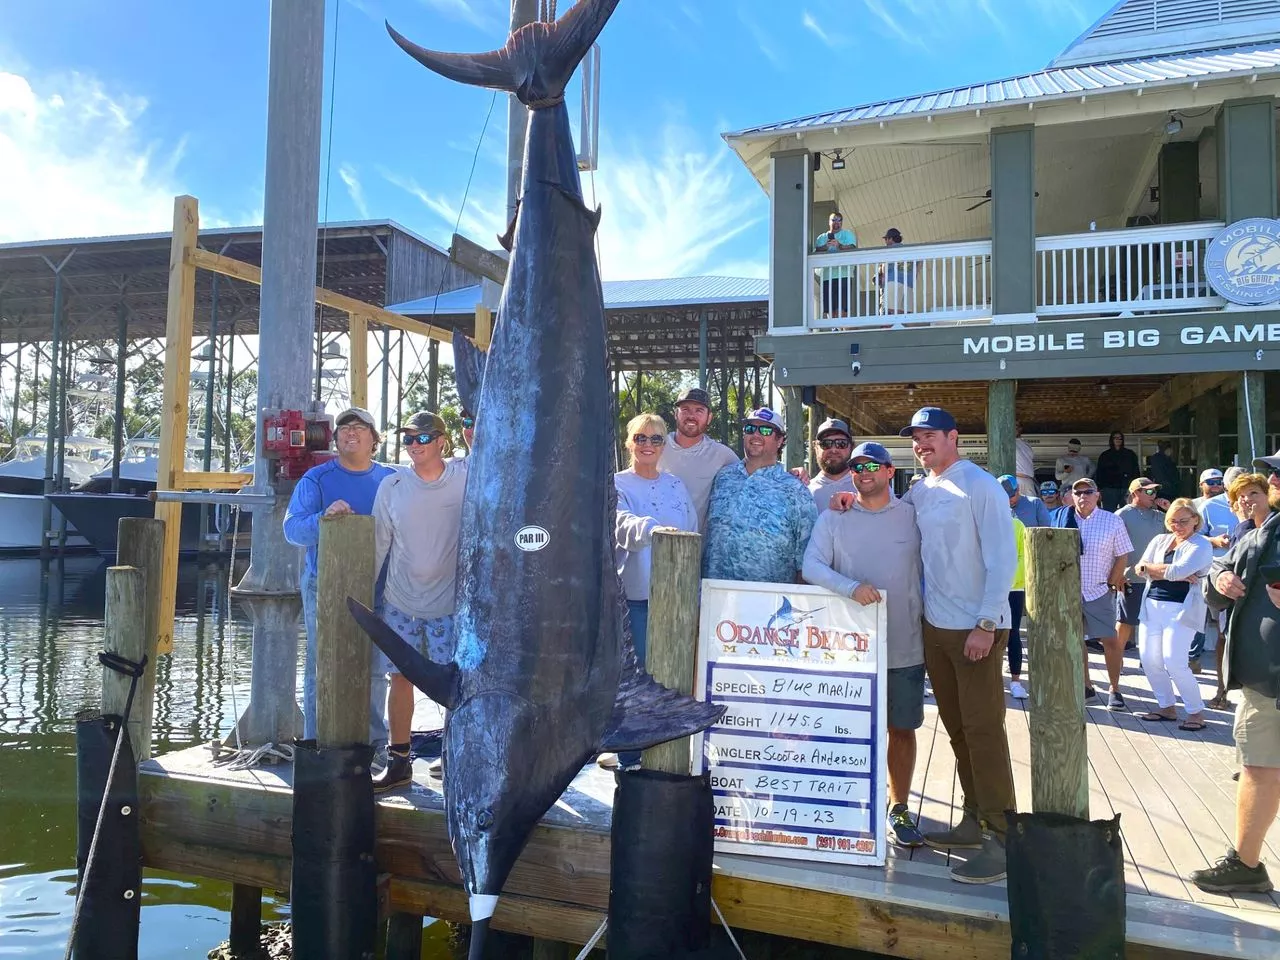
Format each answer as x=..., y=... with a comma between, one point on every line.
x=355, y=190
x=808, y=21
x=74, y=163
x=764, y=42
x=474, y=12
x=877, y=9
x=481, y=219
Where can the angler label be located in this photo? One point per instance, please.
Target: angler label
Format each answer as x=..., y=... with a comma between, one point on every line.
x=797, y=763
x=531, y=539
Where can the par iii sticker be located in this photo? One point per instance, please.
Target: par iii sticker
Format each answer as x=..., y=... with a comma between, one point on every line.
x=530, y=539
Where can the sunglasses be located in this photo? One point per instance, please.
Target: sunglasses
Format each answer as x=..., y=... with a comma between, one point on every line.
x=1213, y=483
x=867, y=467
x=420, y=438
x=1084, y=493
x=354, y=426
x=838, y=444
x=652, y=439
x=468, y=423
x=1182, y=521
x=750, y=428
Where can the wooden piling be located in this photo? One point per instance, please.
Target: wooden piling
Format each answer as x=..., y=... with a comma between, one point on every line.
x=1055, y=629
x=345, y=564
x=125, y=637
x=140, y=544
x=404, y=937
x=674, y=590
x=246, y=922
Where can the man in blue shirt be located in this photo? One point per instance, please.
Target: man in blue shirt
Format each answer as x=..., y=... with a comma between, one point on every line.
x=760, y=516
x=344, y=485
x=837, y=292
x=1031, y=511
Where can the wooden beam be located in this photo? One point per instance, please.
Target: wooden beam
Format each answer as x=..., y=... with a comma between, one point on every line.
x=140, y=545
x=473, y=258
x=358, y=364
x=211, y=480
x=861, y=415
x=1178, y=392
x=346, y=569
x=125, y=626
x=484, y=327
x=673, y=632
x=230, y=267
x=180, y=320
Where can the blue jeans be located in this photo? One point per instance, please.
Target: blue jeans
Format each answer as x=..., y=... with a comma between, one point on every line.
x=638, y=614
x=377, y=680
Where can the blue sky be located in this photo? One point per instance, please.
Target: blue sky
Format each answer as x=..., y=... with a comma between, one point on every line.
x=109, y=110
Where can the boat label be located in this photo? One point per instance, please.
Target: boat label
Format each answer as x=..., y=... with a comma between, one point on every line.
x=530, y=539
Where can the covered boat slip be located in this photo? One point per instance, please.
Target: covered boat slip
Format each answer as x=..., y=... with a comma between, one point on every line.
x=1172, y=790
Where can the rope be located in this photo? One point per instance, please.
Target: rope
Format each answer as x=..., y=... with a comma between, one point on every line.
x=595, y=938
x=732, y=939
x=133, y=670
x=328, y=176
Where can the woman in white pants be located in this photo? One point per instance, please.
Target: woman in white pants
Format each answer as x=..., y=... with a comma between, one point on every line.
x=1172, y=610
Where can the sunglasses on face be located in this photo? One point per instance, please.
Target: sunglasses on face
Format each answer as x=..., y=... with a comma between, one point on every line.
x=420, y=438
x=354, y=427
x=750, y=428
x=1182, y=521
x=652, y=439
x=1083, y=493
x=866, y=467
x=838, y=444
x=468, y=423
x=1213, y=483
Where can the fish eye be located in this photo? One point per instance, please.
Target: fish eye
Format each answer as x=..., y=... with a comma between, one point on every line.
x=484, y=819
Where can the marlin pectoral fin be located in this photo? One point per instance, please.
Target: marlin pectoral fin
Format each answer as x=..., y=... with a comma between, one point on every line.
x=468, y=370
x=439, y=681
x=508, y=239
x=646, y=713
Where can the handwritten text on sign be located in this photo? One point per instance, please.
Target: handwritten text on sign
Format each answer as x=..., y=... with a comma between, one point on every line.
x=797, y=762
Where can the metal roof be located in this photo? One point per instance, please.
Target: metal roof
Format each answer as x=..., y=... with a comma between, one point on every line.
x=1046, y=84
x=618, y=295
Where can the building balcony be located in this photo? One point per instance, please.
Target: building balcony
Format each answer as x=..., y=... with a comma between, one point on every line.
x=1136, y=271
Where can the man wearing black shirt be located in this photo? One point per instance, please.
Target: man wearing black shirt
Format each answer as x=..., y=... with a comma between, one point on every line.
x=1117, y=468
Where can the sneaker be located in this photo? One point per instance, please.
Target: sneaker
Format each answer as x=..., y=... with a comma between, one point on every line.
x=629, y=768
x=607, y=761
x=965, y=835
x=436, y=768
x=988, y=866
x=905, y=832
x=1115, y=701
x=379, y=761
x=1094, y=644
x=1230, y=875
x=1089, y=694
x=397, y=773
x=1017, y=690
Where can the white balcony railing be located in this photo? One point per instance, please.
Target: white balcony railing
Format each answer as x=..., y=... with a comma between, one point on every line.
x=1139, y=270
x=903, y=284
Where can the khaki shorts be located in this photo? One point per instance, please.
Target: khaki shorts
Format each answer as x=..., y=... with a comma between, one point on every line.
x=1257, y=730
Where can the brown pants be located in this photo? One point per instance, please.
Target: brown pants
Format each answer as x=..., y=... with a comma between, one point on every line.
x=970, y=697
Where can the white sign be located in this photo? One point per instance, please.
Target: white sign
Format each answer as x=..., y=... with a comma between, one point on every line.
x=797, y=763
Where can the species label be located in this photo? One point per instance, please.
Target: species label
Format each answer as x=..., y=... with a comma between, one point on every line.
x=530, y=539
x=797, y=763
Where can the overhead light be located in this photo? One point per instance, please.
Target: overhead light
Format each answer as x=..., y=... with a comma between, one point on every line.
x=837, y=163
x=1173, y=127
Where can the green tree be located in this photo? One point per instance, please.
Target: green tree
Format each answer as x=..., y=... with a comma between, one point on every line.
x=417, y=397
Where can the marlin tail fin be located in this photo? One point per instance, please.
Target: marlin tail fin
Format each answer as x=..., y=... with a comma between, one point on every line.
x=536, y=62
x=468, y=370
x=439, y=681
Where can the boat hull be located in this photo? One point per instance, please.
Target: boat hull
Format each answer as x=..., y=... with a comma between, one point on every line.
x=97, y=516
x=22, y=525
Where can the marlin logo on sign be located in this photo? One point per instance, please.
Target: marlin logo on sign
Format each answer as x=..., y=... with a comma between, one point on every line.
x=787, y=616
x=1243, y=261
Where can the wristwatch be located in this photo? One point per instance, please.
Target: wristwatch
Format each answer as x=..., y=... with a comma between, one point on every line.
x=987, y=625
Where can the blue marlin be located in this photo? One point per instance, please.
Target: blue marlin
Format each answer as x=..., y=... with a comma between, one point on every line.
x=544, y=676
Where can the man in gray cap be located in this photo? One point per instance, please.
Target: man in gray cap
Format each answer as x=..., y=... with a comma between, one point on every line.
x=831, y=449
x=691, y=455
x=346, y=484
x=1270, y=468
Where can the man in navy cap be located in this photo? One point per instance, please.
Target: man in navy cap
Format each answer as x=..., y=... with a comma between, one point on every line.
x=831, y=449
x=759, y=517
x=969, y=560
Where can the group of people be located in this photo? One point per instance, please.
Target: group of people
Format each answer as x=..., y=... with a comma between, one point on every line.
x=946, y=557
x=894, y=280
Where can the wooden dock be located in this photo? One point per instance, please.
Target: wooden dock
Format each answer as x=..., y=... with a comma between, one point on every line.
x=1172, y=789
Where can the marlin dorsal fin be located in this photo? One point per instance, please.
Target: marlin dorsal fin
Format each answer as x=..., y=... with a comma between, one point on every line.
x=468, y=370
x=439, y=681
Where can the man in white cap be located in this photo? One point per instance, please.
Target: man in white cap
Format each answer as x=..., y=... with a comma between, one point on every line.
x=1073, y=465
x=690, y=454
x=831, y=450
x=1270, y=467
x=347, y=484
x=759, y=517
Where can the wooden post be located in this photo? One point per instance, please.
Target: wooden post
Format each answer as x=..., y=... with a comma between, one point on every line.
x=671, y=658
x=404, y=937
x=793, y=411
x=484, y=327
x=125, y=631
x=817, y=413
x=1059, y=751
x=358, y=364
x=1001, y=438
x=1204, y=414
x=342, y=649
x=181, y=311
x=140, y=544
x=246, y=921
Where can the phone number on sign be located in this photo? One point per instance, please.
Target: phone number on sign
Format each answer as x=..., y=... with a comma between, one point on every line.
x=846, y=844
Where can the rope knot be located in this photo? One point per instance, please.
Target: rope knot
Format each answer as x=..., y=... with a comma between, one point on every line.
x=130, y=668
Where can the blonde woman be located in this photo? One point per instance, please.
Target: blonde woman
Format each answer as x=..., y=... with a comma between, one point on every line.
x=1173, y=608
x=648, y=500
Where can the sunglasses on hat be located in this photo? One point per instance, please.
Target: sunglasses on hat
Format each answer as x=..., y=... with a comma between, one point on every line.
x=468, y=423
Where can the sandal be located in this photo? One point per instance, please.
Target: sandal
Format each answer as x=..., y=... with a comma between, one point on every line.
x=1192, y=725
x=1220, y=702
x=1152, y=717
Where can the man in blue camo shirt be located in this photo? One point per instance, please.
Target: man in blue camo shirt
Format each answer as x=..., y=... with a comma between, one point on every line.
x=760, y=516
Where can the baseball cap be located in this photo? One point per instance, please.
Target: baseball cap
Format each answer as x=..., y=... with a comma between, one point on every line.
x=929, y=418
x=694, y=395
x=1213, y=473
x=355, y=413
x=1142, y=483
x=833, y=425
x=872, y=451
x=424, y=421
x=1048, y=488
x=1009, y=482
x=767, y=416
x=1084, y=482
x=1271, y=463
x=1073, y=443
x=893, y=233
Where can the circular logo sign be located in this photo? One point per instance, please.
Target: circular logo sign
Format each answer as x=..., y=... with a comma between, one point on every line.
x=530, y=539
x=1243, y=261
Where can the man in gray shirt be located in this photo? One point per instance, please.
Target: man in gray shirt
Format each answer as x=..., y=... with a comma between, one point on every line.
x=693, y=456
x=1143, y=517
x=417, y=515
x=837, y=559
x=831, y=450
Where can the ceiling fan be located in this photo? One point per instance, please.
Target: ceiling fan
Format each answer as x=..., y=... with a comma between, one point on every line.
x=983, y=198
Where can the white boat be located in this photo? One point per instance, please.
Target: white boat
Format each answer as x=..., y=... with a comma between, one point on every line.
x=22, y=489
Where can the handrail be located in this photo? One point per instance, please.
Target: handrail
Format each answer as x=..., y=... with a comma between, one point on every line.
x=908, y=253
x=1200, y=230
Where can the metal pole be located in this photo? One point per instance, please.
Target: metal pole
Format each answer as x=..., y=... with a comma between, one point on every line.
x=433, y=376
x=295, y=80
x=17, y=397
x=52, y=420
x=386, y=389
x=702, y=349
x=522, y=12
x=228, y=375
x=210, y=374
x=117, y=428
